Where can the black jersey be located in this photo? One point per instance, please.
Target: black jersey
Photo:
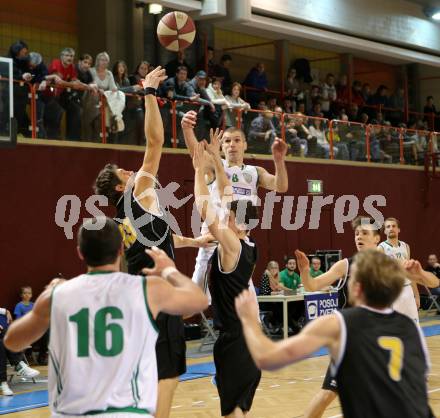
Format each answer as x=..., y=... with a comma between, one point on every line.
x=142, y=229
x=225, y=286
x=343, y=286
x=382, y=370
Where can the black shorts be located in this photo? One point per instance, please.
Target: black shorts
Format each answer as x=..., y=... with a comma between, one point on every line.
x=236, y=375
x=170, y=346
x=329, y=382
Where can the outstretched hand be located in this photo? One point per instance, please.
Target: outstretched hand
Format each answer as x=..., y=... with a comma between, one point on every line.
x=279, y=150
x=199, y=160
x=154, y=78
x=213, y=148
x=189, y=120
x=302, y=261
x=161, y=261
x=413, y=267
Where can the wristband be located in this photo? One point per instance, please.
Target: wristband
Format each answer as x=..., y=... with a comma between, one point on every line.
x=150, y=90
x=3, y=311
x=167, y=271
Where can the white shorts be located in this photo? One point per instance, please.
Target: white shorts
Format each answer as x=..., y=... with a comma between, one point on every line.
x=406, y=303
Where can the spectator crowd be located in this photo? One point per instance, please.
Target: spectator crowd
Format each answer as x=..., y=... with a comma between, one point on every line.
x=76, y=87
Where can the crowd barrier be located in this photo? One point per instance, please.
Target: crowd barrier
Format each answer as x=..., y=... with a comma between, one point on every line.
x=307, y=136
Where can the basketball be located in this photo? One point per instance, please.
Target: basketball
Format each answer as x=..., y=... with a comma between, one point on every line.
x=176, y=31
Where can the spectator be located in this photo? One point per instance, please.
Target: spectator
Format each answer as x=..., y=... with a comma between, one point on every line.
x=135, y=106
x=353, y=112
x=261, y=105
x=261, y=133
x=16, y=360
x=314, y=97
x=433, y=267
x=36, y=73
x=328, y=93
x=83, y=69
x=363, y=118
x=366, y=92
x=19, y=53
x=315, y=268
x=301, y=108
x=270, y=283
x=271, y=103
x=356, y=96
x=120, y=75
x=342, y=89
x=292, y=84
x=172, y=67
x=381, y=97
x=210, y=62
x=289, y=105
x=221, y=72
x=181, y=89
x=316, y=110
x=104, y=81
x=276, y=120
x=288, y=277
x=431, y=113
x=235, y=102
x=216, y=97
x=257, y=80
x=297, y=135
x=397, y=102
x=318, y=131
x=60, y=100
x=21, y=309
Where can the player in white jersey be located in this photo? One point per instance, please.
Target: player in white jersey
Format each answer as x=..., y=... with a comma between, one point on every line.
x=245, y=179
x=102, y=328
x=408, y=302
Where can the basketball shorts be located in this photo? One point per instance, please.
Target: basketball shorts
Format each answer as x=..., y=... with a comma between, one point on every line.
x=201, y=267
x=329, y=382
x=236, y=376
x=406, y=304
x=170, y=346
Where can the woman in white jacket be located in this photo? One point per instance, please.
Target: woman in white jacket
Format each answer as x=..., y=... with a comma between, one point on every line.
x=235, y=102
x=215, y=94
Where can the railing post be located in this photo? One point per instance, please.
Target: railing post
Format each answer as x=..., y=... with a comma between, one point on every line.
x=330, y=137
x=102, y=111
x=402, y=160
x=174, y=123
x=33, y=110
x=238, y=120
x=283, y=127
x=367, y=142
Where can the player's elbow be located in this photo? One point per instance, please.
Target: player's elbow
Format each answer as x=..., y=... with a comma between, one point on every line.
x=11, y=343
x=282, y=188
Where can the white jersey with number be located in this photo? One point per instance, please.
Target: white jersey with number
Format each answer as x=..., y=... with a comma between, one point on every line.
x=102, y=346
x=244, y=182
x=405, y=303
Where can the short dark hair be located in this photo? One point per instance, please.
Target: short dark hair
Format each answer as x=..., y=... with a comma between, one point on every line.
x=380, y=276
x=288, y=258
x=106, y=182
x=181, y=68
x=226, y=57
x=23, y=288
x=234, y=129
x=430, y=97
x=99, y=246
x=366, y=220
x=244, y=207
x=391, y=219
x=83, y=57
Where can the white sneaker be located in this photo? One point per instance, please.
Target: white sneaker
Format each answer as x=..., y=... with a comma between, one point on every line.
x=24, y=370
x=6, y=390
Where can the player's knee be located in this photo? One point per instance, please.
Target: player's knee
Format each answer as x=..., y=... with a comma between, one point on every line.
x=327, y=396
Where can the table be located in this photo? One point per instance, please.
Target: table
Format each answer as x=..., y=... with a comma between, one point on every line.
x=285, y=299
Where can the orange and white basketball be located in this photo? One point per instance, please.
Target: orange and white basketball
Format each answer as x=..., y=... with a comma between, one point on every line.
x=176, y=31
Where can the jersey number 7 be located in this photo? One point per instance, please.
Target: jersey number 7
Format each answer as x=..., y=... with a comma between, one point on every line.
x=395, y=346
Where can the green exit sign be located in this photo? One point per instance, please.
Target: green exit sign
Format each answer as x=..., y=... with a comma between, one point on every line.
x=315, y=187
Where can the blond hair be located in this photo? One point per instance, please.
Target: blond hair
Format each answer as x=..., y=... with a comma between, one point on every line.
x=380, y=276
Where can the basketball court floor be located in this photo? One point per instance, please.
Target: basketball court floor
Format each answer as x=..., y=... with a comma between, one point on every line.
x=282, y=394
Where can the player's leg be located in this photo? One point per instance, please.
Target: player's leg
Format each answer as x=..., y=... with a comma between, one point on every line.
x=165, y=395
x=319, y=403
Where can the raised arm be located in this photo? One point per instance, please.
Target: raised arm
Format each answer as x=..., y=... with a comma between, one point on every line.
x=326, y=279
x=204, y=241
x=174, y=293
x=418, y=275
x=278, y=182
x=227, y=239
x=145, y=179
x=270, y=355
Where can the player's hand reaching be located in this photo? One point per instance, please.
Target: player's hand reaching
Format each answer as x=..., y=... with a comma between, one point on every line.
x=413, y=267
x=154, y=78
x=8, y=317
x=213, y=148
x=199, y=161
x=302, y=261
x=205, y=241
x=279, y=150
x=161, y=261
x=189, y=120
x=246, y=306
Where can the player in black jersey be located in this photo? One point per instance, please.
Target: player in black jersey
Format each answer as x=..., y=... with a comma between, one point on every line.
x=143, y=225
x=232, y=265
x=379, y=356
x=366, y=236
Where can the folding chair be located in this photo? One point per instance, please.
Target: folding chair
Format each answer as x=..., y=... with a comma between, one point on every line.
x=13, y=373
x=433, y=299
